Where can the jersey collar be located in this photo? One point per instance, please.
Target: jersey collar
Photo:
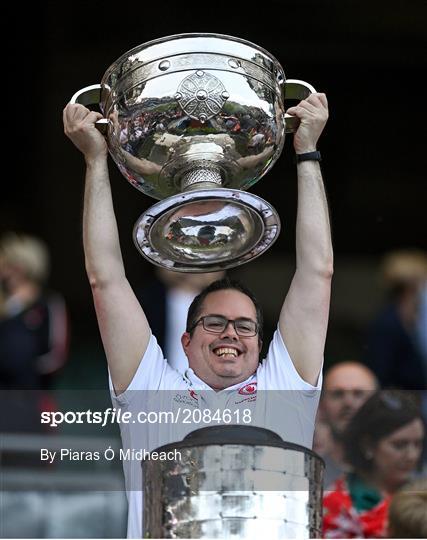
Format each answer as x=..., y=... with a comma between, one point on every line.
x=198, y=384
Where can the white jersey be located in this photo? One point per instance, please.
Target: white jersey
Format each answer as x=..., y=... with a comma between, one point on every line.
x=275, y=397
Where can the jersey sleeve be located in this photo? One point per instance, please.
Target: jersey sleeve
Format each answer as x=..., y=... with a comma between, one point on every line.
x=153, y=373
x=277, y=371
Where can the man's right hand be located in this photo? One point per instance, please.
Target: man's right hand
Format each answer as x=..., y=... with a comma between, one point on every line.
x=79, y=126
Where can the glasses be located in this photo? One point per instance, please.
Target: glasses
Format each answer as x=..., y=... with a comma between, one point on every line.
x=216, y=324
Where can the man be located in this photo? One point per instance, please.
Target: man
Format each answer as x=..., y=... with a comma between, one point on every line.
x=222, y=341
x=166, y=300
x=346, y=388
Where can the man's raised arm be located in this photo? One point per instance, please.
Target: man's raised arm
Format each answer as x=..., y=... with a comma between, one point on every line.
x=122, y=323
x=304, y=317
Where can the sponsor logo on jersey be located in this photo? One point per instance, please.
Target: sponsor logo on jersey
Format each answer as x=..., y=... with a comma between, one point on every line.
x=187, y=398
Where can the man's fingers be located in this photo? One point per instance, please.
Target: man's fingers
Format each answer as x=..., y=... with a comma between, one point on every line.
x=302, y=109
x=317, y=100
x=293, y=110
x=75, y=113
x=312, y=104
x=73, y=109
x=307, y=105
x=323, y=99
x=93, y=116
x=64, y=116
x=72, y=114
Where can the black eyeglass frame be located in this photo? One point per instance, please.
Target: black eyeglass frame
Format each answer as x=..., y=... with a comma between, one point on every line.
x=227, y=322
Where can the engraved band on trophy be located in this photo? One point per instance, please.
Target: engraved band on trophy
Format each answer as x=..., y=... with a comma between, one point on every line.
x=195, y=120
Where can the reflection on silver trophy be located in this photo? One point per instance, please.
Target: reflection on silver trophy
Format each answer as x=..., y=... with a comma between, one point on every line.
x=194, y=120
x=234, y=482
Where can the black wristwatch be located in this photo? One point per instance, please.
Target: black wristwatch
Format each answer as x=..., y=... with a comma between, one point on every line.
x=308, y=156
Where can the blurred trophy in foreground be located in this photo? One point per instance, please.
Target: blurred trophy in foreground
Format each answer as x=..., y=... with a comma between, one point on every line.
x=235, y=481
x=194, y=120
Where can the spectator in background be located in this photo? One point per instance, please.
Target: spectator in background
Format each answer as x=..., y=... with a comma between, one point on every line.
x=347, y=386
x=33, y=328
x=421, y=326
x=383, y=444
x=394, y=342
x=408, y=512
x=166, y=301
x=322, y=440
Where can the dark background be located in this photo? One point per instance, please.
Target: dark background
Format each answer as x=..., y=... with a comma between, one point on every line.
x=368, y=57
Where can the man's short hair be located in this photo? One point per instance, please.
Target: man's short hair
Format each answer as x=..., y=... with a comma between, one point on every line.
x=221, y=285
x=407, y=512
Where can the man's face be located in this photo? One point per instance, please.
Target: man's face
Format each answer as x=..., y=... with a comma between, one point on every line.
x=222, y=360
x=346, y=389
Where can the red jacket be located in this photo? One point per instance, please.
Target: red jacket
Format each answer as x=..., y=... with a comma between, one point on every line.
x=342, y=520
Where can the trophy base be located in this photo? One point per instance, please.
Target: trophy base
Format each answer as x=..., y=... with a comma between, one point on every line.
x=206, y=230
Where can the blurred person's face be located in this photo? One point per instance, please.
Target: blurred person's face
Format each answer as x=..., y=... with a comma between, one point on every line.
x=222, y=360
x=346, y=389
x=188, y=281
x=10, y=276
x=322, y=437
x=395, y=457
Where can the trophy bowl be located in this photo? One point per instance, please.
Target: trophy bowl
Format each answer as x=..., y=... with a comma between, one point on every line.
x=195, y=120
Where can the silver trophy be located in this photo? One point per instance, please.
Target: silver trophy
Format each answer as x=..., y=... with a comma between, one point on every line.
x=195, y=120
x=233, y=482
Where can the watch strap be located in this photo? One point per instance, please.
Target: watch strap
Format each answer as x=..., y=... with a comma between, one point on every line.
x=308, y=156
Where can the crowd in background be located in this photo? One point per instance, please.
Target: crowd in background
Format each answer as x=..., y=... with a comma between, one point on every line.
x=372, y=415
x=371, y=421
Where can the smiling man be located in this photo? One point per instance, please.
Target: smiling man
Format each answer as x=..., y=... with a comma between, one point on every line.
x=224, y=328
x=222, y=339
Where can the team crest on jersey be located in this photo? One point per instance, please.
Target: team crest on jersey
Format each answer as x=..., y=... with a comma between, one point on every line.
x=248, y=389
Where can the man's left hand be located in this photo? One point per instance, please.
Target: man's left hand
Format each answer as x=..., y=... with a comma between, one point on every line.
x=313, y=115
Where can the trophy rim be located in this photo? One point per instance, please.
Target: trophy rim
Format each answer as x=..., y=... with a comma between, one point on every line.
x=230, y=435
x=189, y=35
x=252, y=202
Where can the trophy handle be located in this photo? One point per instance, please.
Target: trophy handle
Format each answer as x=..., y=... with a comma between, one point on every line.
x=295, y=89
x=91, y=95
